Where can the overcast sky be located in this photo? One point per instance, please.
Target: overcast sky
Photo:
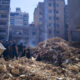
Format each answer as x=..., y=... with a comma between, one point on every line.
x=26, y=6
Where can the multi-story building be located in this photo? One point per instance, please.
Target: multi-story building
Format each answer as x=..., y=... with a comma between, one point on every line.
x=39, y=19
x=33, y=35
x=19, y=18
x=66, y=21
x=20, y=34
x=54, y=18
x=39, y=14
x=19, y=26
x=74, y=20
x=4, y=19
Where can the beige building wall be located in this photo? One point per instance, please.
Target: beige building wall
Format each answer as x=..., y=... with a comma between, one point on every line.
x=54, y=13
x=39, y=14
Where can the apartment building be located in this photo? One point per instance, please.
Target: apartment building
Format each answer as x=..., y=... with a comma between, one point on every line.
x=74, y=20
x=20, y=34
x=54, y=18
x=33, y=35
x=39, y=14
x=19, y=18
x=19, y=26
x=66, y=22
x=4, y=19
x=39, y=20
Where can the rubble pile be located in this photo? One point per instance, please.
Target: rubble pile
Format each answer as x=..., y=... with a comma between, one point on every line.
x=53, y=47
x=30, y=69
x=24, y=69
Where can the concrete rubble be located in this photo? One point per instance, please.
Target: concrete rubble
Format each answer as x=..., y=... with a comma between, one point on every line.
x=56, y=46
x=24, y=69
x=30, y=69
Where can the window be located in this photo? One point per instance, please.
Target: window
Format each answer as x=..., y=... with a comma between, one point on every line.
x=2, y=7
x=40, y=19
x=50, y=32
x=5, y=1
x=2, y=30
x=56, y=18
x=50, y=4
x=25, y=23
x=50, y=18
x=40, y=13
x=57, y=11
x=56, y=26
x=56, y=5
x=33, y=33
x=3, y=23
x=19, y=32
x=4, y=16
x=50, y=11
x=50, y=24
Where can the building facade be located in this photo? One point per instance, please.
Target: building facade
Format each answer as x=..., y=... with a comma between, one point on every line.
x=39, y=20
x=66, y=22
x=74, y=20
x=4, y=19
x=39, y=14
x=19, y=18
x=54, y=18
x=33, y=35
x=20, y=34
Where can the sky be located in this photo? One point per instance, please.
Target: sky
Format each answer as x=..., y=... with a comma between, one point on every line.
x=26, y=6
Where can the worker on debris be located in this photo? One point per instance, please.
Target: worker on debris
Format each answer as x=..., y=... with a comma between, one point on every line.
x=24, y=51
x=28, y=52
x=14, y=50
x=20, y=49
x=10, y=49
x=39, y=56
x=6, y=52
x=59, y=60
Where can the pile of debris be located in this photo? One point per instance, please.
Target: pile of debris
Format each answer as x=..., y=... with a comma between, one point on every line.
x=24, y=69
x=53, y=47
x=30, y=69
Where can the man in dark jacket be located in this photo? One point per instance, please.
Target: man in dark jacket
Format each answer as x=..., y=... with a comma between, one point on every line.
x=20, y=49
x=6, y=52
x=14, y=50
x=28, y=52
x=59, y=60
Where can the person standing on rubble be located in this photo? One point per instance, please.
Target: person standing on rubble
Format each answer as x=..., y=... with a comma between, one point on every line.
x=24, y=51
x=39, y=56
x=59, y=60
x=6, y=52
x=28, y=52
x=14, y=50
x=20, y=49
x=10, y=49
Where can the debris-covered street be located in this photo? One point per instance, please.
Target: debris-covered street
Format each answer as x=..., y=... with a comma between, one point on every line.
x=47, y=68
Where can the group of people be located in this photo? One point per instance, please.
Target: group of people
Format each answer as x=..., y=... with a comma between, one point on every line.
x=14, y=50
